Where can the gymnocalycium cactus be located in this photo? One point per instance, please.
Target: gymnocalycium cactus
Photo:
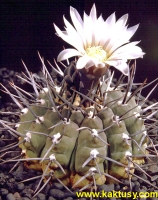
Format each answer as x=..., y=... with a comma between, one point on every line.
x=79, y=127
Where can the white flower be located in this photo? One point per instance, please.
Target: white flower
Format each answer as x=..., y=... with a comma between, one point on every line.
x=99, y=43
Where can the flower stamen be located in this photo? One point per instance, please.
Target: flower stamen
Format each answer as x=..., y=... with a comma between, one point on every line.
x=97, y=52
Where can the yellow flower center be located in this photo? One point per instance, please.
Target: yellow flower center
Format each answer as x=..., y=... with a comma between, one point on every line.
x=97, y=52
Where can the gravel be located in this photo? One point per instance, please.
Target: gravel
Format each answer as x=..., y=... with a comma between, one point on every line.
x=11, y=176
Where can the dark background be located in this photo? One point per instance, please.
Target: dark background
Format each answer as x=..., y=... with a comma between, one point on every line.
x=27, y=26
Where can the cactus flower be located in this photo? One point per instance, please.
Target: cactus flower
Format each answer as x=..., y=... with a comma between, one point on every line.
x=99, y=43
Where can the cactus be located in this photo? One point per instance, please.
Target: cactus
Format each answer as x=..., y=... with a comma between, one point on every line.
x=80, y=128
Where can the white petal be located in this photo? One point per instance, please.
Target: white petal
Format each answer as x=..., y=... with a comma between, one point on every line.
x=122, y=21
x=75, y=17
x=64, y=32
x=88, y=29
x=134, y=52
x=69, y=26
x=84, y=61
x=78, y=23
x=126, y=47
x=73, y=34
x=99, y=30
x=68, y=53
x=73, y=40
x=120, y=65
x=87, y=62
x=113, y=46
x=93, y=13
x=62, y=35
x=130, y=31
x=111, y=20
x=97, y=63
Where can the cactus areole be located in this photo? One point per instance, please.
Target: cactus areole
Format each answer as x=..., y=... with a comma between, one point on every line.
x=78, y=127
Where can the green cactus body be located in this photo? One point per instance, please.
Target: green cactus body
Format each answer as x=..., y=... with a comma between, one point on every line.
x=84, y=137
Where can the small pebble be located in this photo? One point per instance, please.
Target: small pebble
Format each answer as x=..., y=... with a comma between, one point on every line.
x=106, y=188
x=25, y=198
x=3, y=191
x=58, y=186
x=154, y=183
x=144, y=188
x=35, y=185
x=51, y=198
x=126, y=182
x=17, y=195
x=27, y=193
x=69, y=194
x=134, y=178
x=10, y=196
x=117, y=187
x=20, y=186
x=136, y=188
x=11, y=183
x=143, y=176
x=137, y=183
x=57, y=193
x=68, y=198
x=41, y=196
x=46, y=189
